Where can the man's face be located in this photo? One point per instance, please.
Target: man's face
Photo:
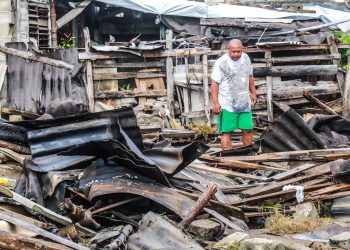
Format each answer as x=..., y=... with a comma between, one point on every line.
x=235, y=51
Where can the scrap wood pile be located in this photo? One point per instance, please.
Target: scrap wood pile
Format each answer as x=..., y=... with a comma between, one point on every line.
x=87, y=182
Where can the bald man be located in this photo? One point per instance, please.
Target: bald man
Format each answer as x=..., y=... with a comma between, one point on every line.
x=233, y=94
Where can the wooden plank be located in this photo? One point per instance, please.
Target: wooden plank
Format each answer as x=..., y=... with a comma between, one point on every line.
x=303, y=155
x=89, y=76
x=283, y=195
x=41, y=232
x=125, y=75
x=305, y=58
x=72, y=13
x=329, y=196
x=296, y=70
x=238, y=164
x=334, y=51
x=226, y=172
x=277, y=185
x=197, y=52
x=292, y=172
x=134, y=93
x=36, y=57
x=141, y=65
x=186, y=92
x=170, y=73
x=16, y=241
x=206, y=89
x=332, y=189
x=25, y=114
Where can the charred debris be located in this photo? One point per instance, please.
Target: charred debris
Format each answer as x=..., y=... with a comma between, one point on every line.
x=109, y=142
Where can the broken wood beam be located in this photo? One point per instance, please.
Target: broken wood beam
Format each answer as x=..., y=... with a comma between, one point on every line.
x=134, y=93
x=198, y=207
x=237, y=164
x=296, y=70
x=36, y=57
x=14, y=241
x=89, y=75
x=289, y=59
x=126, y=75
x=331, y=189
x=72, y=13
x=320, y=104
x=15, y=147
x=277, y=185
x=227, y=172
x=302, y=155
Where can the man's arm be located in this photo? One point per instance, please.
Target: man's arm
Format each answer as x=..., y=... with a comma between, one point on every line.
x=215, y=96
x=252, y=90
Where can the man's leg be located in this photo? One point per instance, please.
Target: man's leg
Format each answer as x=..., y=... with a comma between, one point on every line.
x=245, y=123
x=247, y=137
x=226, y=141
x=227, y=122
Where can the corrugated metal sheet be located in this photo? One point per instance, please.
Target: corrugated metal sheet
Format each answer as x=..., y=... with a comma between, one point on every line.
x=288, y=132
x=40, y=88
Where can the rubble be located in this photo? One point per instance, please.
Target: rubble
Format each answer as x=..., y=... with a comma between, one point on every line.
x=115, y=147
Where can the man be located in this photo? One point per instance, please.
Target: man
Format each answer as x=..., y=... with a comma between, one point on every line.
x=233, y=93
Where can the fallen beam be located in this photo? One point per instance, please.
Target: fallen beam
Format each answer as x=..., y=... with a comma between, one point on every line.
x=35, y=57
x=16, y=241
x=320, y=104
x=198, y=207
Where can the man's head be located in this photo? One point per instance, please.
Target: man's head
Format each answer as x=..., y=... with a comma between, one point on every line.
x=235, y=49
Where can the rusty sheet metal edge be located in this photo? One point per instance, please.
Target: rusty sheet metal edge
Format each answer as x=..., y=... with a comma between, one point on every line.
x=41, y=232
x=168, y=197
x=42, y=210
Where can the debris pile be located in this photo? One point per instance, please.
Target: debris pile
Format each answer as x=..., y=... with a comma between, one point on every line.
x=87, y=182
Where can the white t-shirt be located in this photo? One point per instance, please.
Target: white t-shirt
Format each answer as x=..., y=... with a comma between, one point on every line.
x=233, y=79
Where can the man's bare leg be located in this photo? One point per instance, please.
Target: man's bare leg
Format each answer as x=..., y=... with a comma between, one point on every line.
x=226, y=141
x=247, y=137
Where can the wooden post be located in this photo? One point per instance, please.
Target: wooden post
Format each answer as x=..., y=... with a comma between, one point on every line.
x=198, y=207
x=269, y=83
x=170, y=73
x=206, y=89
x=187, y=91
x=53, y=24
x=346, y=94
x=89, y=78
x=334, y=51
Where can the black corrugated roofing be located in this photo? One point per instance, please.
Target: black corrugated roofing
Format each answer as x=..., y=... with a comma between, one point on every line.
x=41, y=88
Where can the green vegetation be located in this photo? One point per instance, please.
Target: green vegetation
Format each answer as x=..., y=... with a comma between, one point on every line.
x=67, y=41
x=343, y=38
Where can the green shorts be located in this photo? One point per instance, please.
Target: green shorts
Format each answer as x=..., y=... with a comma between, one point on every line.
x=230, y=121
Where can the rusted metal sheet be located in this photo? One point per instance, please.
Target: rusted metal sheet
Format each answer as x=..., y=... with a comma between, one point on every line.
x=40, y=88
x=108, y=179
x=158, y=233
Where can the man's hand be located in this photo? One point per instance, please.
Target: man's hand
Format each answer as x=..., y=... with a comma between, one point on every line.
x=216, y=108
x=253, y=98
